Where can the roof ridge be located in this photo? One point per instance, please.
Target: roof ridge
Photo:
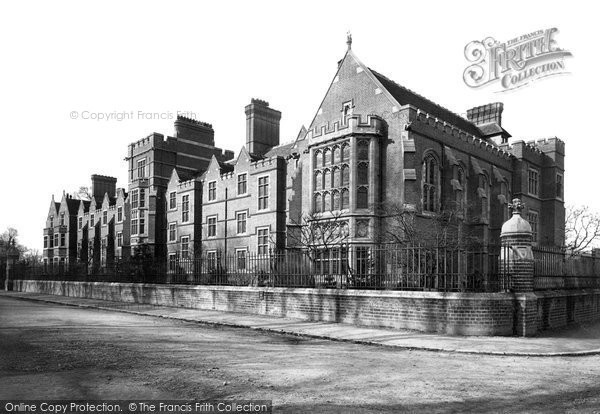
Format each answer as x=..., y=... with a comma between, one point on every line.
x=421, y=96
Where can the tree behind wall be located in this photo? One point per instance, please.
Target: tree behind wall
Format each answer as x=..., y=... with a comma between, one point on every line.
x=582, y=229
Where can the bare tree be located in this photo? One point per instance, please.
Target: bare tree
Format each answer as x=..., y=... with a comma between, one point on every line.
x=32, y=256
x=403, y=225
x=582, y=228
x=83, y=193
x=314, y=232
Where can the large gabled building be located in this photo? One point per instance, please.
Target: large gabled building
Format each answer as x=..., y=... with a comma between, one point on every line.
x=373, y=147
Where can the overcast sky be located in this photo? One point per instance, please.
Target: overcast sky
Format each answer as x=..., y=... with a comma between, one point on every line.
x=211, y=58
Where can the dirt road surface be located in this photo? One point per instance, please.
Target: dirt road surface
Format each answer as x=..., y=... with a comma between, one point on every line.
x=54, y=351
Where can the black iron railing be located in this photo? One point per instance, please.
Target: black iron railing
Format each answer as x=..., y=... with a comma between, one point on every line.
x=448, y=269
x=557, y=268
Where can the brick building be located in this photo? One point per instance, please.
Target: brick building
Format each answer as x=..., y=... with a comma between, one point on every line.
x=372, y=145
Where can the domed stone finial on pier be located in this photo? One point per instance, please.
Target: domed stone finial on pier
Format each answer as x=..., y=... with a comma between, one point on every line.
x=349, y=39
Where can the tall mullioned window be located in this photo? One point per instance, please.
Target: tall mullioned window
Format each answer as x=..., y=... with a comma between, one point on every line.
x=134, y=222
x=185, y=208
x=185, y=247
x=533, y=219
x=242, y=184
x=484, y=196
x=172, y=232
x=559, y=186
x=142, y=222
x=134, y=198
x=533, y=182
x=263, y=193
x=212, y=226
x=331, y=178
x=263, y=241
x=430, y=183
x=459, y=185
x=241, y=222
x=142, y=197
x=212, y=190
x=172, y=200
x=240, y=255
x=141, y=168
x=120, y=214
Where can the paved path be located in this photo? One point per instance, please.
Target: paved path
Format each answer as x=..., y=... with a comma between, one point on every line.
x=579, y=341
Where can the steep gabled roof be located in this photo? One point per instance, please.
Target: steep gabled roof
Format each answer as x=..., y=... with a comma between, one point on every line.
x=280, y=150
x=405, y=96
x=85, y=204
x=72, y=205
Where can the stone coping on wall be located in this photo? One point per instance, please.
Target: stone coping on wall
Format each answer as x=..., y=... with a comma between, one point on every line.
x=388, y=293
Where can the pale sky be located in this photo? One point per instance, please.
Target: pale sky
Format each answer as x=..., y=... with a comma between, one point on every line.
x=210, y=58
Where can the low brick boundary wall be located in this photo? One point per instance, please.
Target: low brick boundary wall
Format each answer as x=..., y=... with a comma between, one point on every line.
x=556, y=309
x=450, y=313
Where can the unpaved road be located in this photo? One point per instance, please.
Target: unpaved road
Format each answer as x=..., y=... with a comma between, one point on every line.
x=54, y=351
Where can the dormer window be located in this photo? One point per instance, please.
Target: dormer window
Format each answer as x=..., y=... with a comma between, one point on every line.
x=347, y=110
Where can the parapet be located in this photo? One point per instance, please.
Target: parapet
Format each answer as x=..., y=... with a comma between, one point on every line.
x=154, y=140
x=450, y=129
x=550, y=145
x=374, y=125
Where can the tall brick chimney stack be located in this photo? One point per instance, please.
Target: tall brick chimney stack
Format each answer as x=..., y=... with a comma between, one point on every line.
x=262, y=127
x=488, y=118
x=485, y=114
x=103, y=184
x=194, y=130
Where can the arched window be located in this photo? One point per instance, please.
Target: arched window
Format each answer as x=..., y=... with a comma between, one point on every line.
x=362, y=197
x=336, y=200
x=318, y=159
x=345, y=175
x=363, y=150
x=318, y=180
x=326, y=201
x=345, y=152
x=327, y=179
x=337, y=177
x=363, y=174
x=318, y=204
x=431, y=181
x=459, y=184
x=484, y=196
x=345, y=201
x=336, y=154
x=326, y=157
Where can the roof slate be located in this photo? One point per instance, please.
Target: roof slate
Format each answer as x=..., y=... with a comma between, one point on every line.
x=405, y=96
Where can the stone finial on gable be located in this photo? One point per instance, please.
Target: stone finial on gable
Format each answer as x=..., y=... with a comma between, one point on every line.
x=349, y=39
